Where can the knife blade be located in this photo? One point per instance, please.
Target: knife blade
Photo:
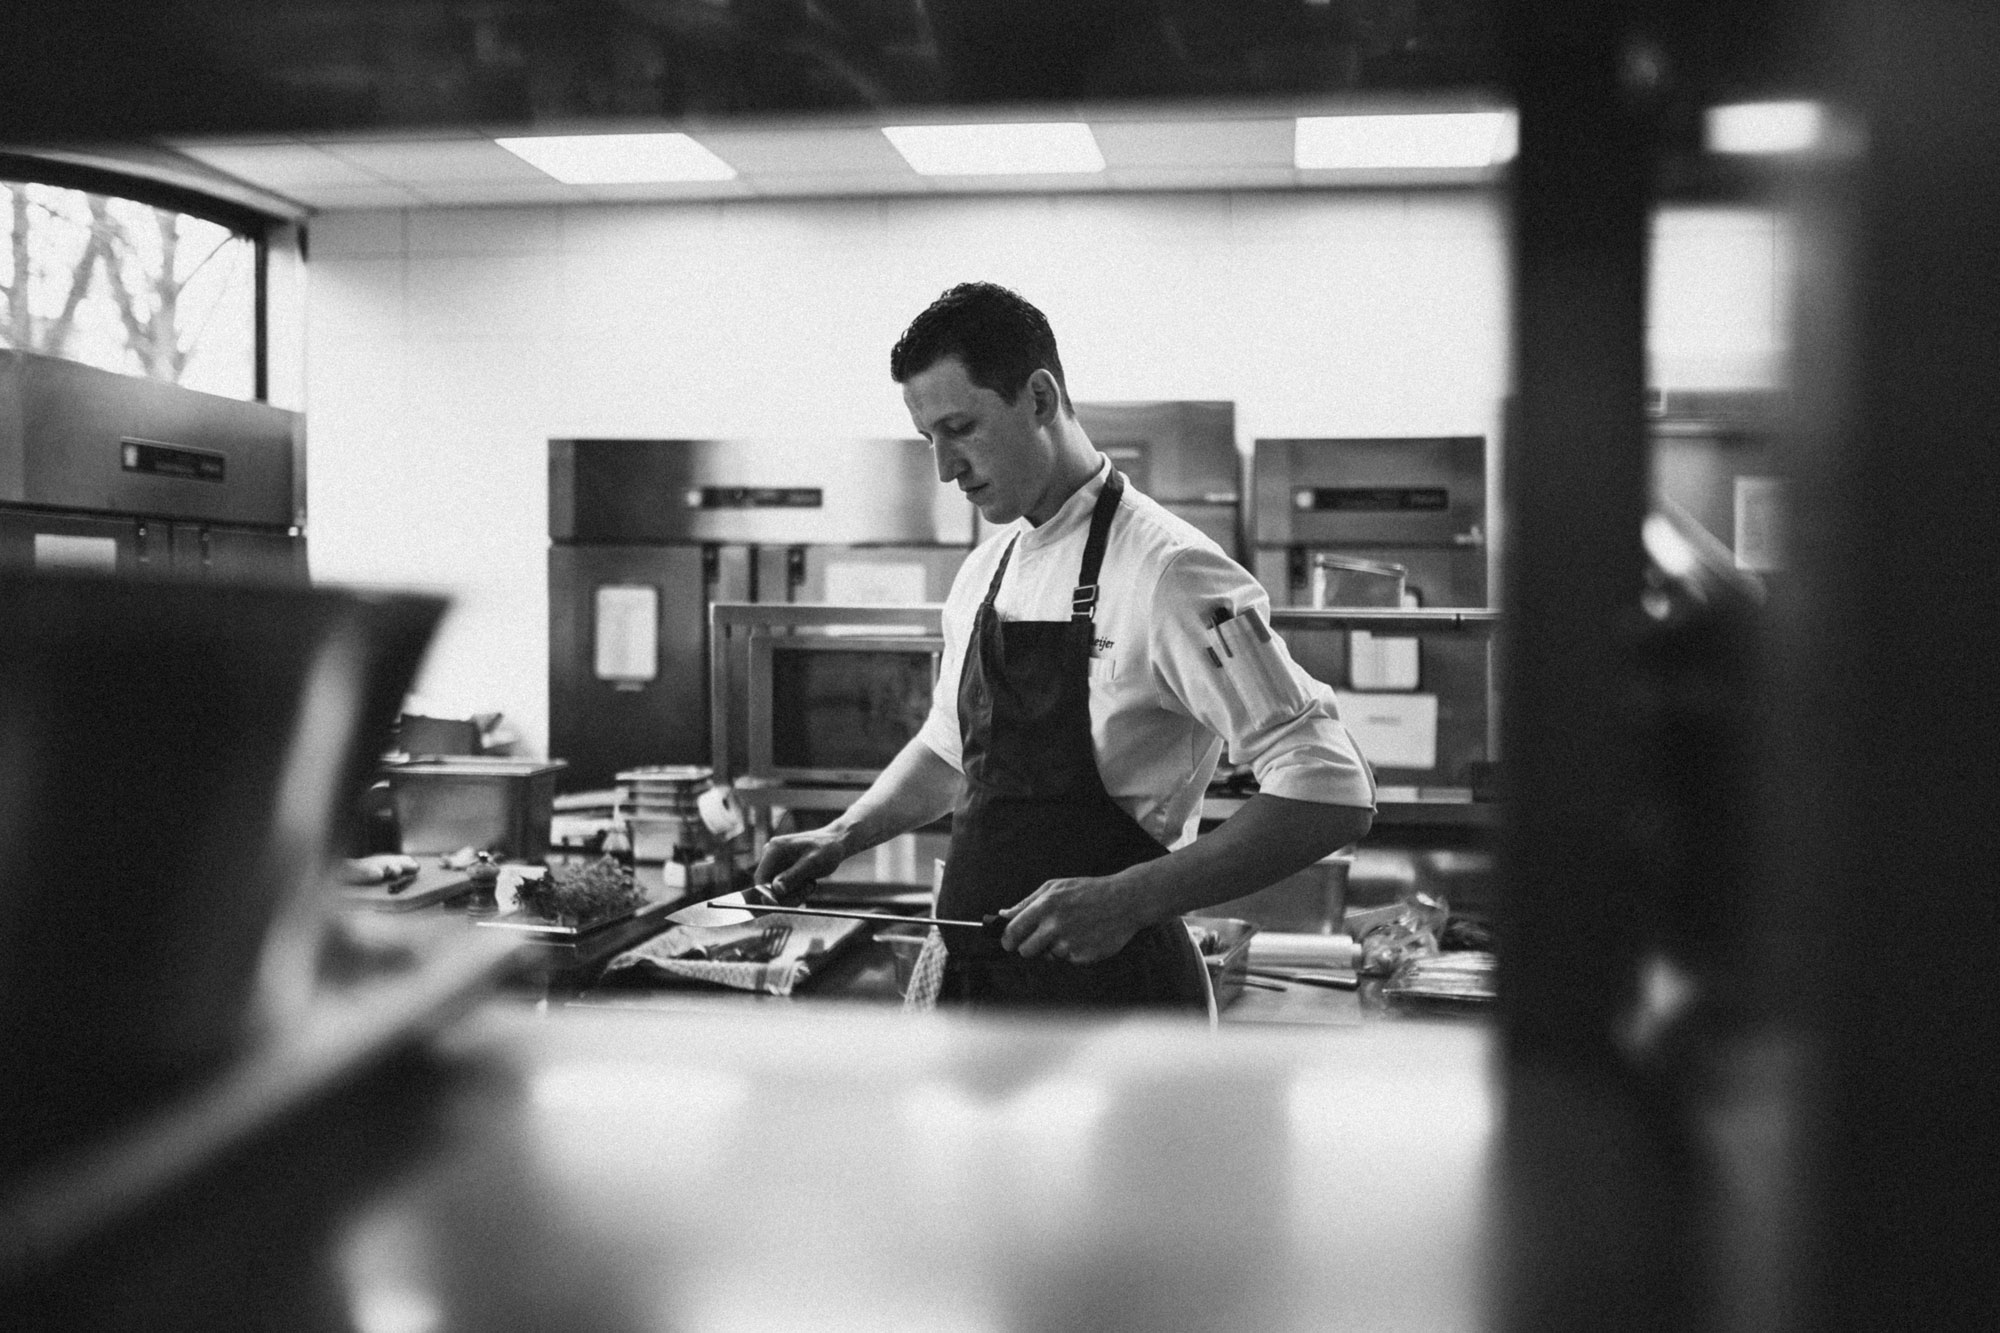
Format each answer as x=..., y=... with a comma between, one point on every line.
x=993, y=923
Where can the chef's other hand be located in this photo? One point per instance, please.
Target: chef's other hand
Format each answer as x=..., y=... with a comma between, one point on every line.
x=1073, y=920
x=793, y=862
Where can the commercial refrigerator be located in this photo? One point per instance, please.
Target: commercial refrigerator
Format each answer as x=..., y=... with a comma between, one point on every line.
x=1420, y=707
x=645, y=534
x=138, y=478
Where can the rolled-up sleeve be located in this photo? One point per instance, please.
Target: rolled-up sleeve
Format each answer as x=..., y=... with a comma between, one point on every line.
x=1240, y=682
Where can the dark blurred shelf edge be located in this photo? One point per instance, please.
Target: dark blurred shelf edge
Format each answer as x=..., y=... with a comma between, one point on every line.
x=48, y=1213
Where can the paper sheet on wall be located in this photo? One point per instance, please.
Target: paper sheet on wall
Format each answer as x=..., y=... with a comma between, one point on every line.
x=1393, y=730
x=55, y=550
x=628, y=633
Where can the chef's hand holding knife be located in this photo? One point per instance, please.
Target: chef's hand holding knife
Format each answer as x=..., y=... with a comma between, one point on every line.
x=793, y=862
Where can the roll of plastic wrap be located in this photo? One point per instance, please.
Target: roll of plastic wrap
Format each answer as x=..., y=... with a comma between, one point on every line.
x=1274, y=948
x=719, y=812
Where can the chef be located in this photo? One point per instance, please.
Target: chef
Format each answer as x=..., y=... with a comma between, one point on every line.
x=1099, y=654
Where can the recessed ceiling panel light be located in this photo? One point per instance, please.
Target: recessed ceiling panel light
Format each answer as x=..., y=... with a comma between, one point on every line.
x=619, y=159
x=1765, y=127
x=997, y=150
x=1436, y=140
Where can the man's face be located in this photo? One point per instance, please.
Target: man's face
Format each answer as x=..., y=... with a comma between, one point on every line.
x=992, y=450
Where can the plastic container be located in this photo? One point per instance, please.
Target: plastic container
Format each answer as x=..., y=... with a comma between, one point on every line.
x=501, y=806
x=1345, y=580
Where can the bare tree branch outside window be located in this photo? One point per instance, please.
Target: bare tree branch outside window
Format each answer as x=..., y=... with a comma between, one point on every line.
x=129, y=287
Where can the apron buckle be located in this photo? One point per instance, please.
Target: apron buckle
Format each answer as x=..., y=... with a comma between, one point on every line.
x=1083, y=602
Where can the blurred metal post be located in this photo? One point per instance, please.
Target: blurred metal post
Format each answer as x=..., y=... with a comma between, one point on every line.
x=1884, y=910
x=1594, y=1218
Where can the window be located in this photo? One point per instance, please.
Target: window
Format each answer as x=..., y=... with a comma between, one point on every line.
x=129, y=286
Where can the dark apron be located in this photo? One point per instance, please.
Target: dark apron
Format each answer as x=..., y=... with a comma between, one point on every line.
x=1035, y=809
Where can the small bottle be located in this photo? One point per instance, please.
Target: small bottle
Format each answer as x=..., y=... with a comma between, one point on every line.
x=484, y=873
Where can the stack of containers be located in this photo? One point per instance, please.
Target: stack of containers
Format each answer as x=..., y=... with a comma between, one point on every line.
x=658, y=807
x=674, y=815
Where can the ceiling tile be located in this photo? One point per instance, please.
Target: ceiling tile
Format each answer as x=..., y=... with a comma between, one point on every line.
x=419, y=164
x=1240, y=148
x=644, y=190
x=1195, y=143
x=281, y=167
x=780, y=184
x=334, y=197
x=1395, y=176
x=508, y=192
x=1202, y=178
x=807, y=151
x=1063, y=182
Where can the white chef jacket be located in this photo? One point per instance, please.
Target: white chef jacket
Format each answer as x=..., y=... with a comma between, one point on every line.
x=1164, y=697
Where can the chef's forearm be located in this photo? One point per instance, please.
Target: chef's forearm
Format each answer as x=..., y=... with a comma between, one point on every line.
x=1269, y=838
x=917, y=787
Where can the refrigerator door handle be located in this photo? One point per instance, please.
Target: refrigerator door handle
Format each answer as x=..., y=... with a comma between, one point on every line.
x=795, y=572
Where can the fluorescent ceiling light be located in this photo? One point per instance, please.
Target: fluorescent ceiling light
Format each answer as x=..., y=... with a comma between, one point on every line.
x=619, y=159
x=997, y=150
x=1764, y=127
x=1448, y=139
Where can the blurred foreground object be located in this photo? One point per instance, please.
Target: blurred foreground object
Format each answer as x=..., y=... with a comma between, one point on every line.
x=178, y=763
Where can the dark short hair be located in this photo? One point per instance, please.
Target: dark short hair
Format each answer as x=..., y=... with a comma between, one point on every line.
x=1000, y=338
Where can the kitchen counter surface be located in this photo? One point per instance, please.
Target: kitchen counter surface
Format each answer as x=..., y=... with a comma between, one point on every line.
x=864, y=976
x=769, y=1166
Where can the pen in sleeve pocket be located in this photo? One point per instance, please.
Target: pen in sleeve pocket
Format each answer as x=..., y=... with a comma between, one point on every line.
x=1216, y=620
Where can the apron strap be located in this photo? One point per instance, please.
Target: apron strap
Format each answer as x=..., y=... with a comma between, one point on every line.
x=1083, y=601
x=993, y=588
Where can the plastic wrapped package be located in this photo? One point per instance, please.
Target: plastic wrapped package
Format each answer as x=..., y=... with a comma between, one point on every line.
x=1413, y=932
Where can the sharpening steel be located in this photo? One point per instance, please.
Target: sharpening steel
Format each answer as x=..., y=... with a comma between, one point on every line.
x=993, y=922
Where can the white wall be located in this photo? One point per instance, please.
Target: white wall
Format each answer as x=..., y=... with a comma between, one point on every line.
x=445, y=347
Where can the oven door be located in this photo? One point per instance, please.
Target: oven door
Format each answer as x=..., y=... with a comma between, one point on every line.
x=836, y=708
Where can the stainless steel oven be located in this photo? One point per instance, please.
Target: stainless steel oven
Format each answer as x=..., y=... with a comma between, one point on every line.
x=804, y=695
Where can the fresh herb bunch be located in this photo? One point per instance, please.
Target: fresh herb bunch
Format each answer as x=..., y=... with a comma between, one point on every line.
x=575, y=896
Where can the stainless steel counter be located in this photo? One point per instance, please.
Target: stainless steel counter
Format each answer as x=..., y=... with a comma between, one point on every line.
x=696, y=1161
